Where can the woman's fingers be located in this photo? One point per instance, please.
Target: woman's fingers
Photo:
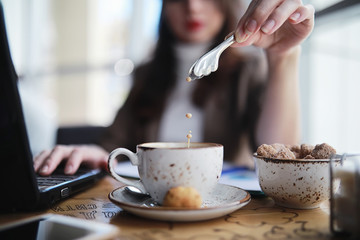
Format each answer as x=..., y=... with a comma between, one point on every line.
x=268, y=16
x=90, y=155
x=302, y=13
x=279, y=15
x=40, y=158
x=254, y=17
x=275, y=25
x=74, y=161
x=52, y=160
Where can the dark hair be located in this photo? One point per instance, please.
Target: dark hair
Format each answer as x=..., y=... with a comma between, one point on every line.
x=157, y=78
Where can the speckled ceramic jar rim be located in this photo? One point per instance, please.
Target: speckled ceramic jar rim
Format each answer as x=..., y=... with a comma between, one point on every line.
x=276, y=160
x=178, y=145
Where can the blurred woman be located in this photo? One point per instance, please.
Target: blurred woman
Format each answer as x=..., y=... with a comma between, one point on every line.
x=253, y=97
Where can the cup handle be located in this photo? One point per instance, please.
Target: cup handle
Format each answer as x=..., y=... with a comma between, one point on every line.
x=134, y=161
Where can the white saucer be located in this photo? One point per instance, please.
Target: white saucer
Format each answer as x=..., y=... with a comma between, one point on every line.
x=226, y=199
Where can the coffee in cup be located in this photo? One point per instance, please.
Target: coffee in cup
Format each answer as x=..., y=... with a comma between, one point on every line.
x=164, y=165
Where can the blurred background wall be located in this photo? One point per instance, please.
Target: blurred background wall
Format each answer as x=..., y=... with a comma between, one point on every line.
x=75, y=60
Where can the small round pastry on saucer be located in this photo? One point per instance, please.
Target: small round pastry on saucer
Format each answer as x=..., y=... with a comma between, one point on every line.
x=183, y=197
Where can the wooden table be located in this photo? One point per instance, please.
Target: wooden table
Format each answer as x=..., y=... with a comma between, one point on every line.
x=260, y=219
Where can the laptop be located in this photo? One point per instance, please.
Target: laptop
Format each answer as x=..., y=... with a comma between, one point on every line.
x=20, y=189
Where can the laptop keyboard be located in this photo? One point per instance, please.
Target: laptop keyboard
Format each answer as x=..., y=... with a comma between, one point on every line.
x=58, y=177
x=50, y=181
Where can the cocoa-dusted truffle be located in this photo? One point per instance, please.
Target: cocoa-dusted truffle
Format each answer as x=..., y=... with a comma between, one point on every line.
x=303, y=151
x=323, y=151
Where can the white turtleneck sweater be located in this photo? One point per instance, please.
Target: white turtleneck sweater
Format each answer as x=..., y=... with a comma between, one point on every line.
x=174, y=125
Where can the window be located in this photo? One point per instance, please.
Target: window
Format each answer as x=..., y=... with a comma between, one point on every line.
x=79, y=54
x=330, y=80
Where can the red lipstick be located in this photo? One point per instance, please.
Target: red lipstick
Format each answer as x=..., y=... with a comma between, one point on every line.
x=193, y=25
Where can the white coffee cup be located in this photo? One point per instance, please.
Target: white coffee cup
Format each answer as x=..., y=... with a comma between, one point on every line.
x=163, y=165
